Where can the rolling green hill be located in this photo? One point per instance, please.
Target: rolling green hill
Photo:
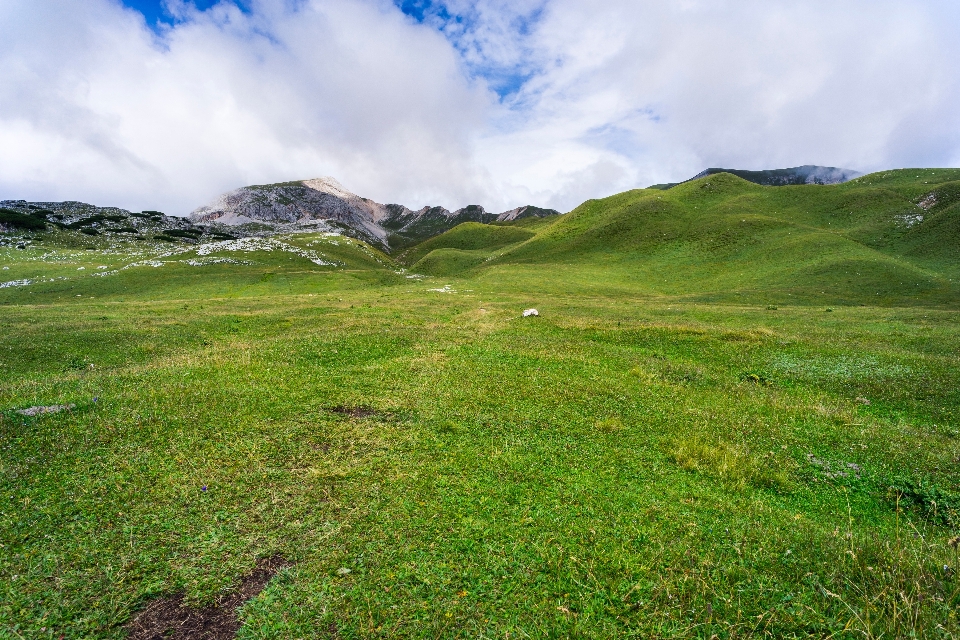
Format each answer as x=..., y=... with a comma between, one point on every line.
x=469, y=236
x=887, y=238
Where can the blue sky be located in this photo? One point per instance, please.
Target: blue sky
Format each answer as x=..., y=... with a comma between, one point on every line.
x=455, y=102
x=155, y=10
x=422, y=10
x=470, y=29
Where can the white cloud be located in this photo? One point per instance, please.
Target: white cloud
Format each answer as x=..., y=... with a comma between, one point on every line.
x=599, y=96
x=93, y=105
x=667, y=89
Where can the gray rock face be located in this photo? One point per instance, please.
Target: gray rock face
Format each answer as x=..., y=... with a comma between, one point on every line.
x=528, y=211
x=324, y=200
x=408, y=227
x=303, y=202
x=109, y=221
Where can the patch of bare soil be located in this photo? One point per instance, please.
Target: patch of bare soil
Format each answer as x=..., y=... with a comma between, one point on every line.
x=171, y=619
x=354, y=412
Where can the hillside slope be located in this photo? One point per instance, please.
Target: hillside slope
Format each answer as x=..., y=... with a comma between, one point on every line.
x=889, y=238
x=470, y=236
x=807, y=174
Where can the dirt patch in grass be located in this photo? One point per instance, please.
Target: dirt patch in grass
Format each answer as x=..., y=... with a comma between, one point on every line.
x=171, y=619
x=354, y=412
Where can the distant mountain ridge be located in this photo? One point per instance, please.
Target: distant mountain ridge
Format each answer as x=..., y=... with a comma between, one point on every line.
x=19, y=216
x=807, y=174
x=324, y=201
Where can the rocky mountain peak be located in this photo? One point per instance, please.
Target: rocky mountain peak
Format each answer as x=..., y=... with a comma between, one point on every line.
x=324, y=201
x=326, y=184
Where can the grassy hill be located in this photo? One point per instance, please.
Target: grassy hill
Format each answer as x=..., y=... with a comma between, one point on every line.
x=470, y=236
x=693, y=439
x=465, y=246
x=868, y=241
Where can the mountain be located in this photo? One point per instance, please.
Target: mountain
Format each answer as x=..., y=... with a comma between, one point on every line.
x=886, y=238
x=889, y=238
x=17, y=216
x=324, y=201
x=321, y=204
x=521, y=213
x=302, y=203
x=407, y=228
x=807, y=174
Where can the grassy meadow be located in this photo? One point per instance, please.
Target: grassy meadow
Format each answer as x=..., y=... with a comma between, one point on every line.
x=737, y=416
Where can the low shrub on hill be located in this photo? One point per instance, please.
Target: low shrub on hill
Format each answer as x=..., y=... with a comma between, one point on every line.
x=939, y=505
x=17, y=220
x=184, y=233
x=79, y=224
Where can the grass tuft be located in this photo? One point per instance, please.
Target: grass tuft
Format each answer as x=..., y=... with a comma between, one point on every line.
x=612, y=424
x=734, y=466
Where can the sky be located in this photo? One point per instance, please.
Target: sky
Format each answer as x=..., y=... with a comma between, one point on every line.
x=164, y=104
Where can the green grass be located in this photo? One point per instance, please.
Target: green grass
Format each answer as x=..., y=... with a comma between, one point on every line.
x=654, y=456
x=449, y=262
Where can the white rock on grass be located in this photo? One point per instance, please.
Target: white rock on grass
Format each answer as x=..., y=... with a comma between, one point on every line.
x=56, y=408
x=530, y=312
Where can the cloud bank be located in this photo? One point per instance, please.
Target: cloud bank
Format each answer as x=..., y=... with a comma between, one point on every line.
x=545, y=102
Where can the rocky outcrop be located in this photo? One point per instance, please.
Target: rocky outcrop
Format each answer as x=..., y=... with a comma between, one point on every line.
x=108, y=221
x=306, y=202
x=528, y=211
x=326, y=201
x=407, y=227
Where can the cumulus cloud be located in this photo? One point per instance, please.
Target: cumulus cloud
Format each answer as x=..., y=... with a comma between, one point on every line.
x=663, y=90
x=95, y=105
x=546, y=102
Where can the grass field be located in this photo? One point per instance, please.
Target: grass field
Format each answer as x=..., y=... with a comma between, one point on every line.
x=739, y=446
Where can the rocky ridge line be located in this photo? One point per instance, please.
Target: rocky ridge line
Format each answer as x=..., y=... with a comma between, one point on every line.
x=306, y=203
